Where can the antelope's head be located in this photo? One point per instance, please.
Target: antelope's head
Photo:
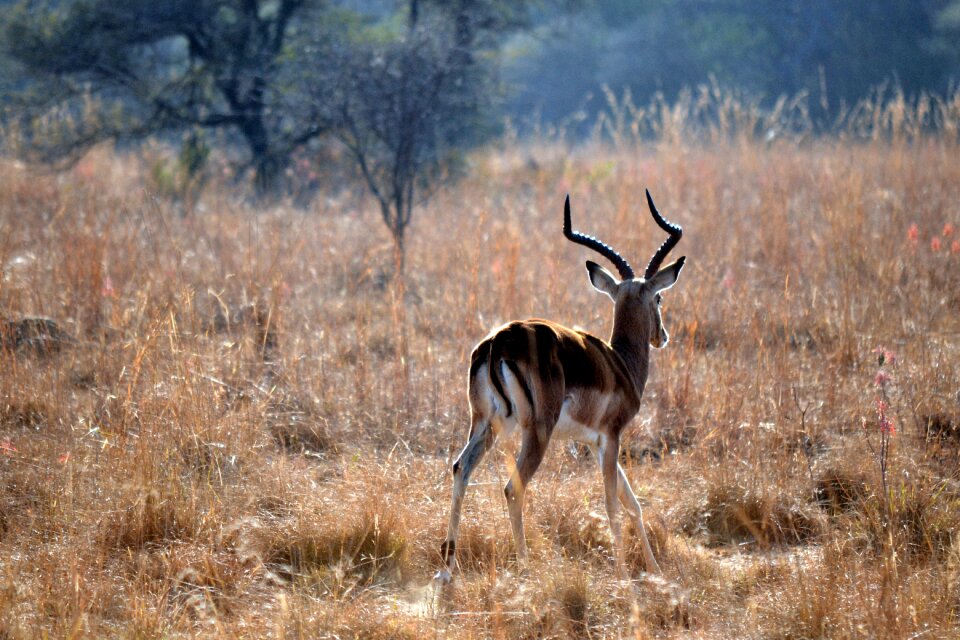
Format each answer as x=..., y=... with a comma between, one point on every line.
x=636, y=300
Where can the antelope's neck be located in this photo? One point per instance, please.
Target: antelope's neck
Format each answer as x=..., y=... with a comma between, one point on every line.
x=633, y=347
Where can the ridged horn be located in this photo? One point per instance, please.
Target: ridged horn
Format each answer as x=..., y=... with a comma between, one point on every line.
x=675, y=231
x=626, y=271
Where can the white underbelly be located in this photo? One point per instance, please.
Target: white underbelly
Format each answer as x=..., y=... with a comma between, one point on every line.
x=569, y=429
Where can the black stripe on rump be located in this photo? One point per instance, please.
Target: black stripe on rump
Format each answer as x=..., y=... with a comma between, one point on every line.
x=493, y=369
x=515, y=370
x=479, y=357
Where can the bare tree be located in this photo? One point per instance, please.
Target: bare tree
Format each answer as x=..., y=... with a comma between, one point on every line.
x=404, y=109
x=410, y=98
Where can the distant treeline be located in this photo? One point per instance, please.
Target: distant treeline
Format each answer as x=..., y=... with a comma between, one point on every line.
x=835, y=51
x=400, y=88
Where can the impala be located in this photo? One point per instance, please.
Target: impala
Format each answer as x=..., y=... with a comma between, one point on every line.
x=556, y=382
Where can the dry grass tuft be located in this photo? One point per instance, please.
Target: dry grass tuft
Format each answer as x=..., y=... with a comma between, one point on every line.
x=944, y=427
x=732, y=514
x=839, y=491
x=30, y=413
x=485, y=550
x=151, y=517
x=925, y=521
x=295, y=426
x=579, y=529
x=338, y=554
x=662, y=605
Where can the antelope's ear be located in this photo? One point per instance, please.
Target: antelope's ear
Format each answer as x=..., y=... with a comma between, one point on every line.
x=602, y=280
x=667, y=276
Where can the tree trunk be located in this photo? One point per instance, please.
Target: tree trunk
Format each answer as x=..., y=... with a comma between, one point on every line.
x=401, y=217
x=267, y=165
x=414, y=14
x=267, y=170
x=392, y=218
x=399, y=254
x=399, y=309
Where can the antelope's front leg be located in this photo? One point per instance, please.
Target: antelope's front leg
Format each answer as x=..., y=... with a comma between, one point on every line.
x=609, y=453
x=629, y=501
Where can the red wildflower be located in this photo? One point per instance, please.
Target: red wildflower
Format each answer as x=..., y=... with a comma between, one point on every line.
x=935, y=244
x=882, y=378
x=728, y=279
x=955, y=246
x=64, y=458
x=913, y=233
x=886, y=424
x=7, y=448
x=948, y=230
x=106, y=289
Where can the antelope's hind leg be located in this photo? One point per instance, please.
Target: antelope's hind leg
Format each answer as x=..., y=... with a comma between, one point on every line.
x=482, y=437
x=532, y=450
x=537, y=421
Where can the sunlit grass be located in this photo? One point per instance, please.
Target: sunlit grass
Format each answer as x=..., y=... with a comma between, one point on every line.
x=169, y=473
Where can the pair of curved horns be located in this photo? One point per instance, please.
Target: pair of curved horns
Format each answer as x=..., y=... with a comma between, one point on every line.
x=626, y=271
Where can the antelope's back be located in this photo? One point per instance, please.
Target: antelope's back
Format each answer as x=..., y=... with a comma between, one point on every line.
x=590, y=376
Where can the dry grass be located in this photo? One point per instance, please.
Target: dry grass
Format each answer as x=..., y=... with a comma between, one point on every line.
x=237, y=442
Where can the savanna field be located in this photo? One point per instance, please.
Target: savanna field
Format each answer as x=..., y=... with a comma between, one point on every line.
x=241, y=425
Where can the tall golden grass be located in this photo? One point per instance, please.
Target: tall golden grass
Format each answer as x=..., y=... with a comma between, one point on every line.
x=238, y=439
